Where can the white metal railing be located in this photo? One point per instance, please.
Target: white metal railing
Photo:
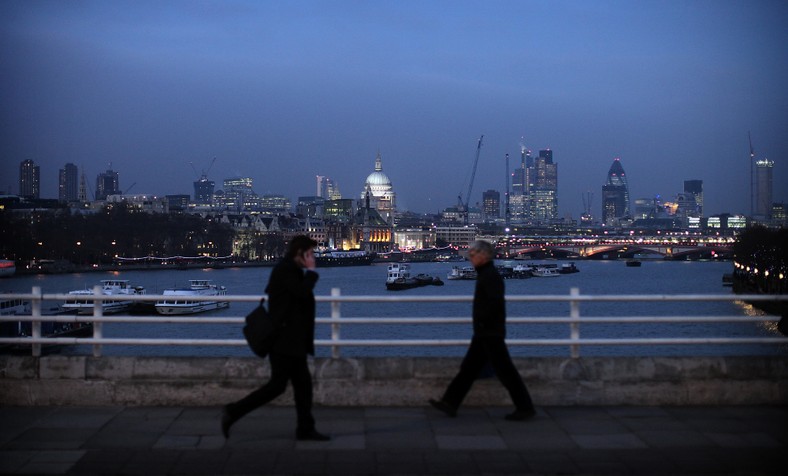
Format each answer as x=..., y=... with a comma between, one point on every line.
x=336, y=321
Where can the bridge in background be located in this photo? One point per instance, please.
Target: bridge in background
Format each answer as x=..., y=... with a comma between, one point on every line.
x=679, y=247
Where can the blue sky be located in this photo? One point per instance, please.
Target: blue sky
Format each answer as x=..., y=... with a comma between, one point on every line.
x=284, y=91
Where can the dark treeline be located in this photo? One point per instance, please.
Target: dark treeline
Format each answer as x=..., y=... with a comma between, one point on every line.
x=115, y=231
x=765, y=252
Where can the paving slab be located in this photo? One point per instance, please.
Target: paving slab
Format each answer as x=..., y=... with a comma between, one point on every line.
x=395, y=441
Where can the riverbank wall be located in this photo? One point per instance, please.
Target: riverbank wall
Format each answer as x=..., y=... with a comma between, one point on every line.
x=197, y=381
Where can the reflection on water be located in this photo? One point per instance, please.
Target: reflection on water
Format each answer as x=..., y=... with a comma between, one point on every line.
x=595, y=277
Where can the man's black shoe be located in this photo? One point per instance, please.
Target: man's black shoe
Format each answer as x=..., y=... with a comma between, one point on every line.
x=227, y=421
x=444, y=407
x=312, y=435
x=521, y=415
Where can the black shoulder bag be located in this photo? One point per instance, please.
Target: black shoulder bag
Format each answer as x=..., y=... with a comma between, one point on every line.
x=261, y=330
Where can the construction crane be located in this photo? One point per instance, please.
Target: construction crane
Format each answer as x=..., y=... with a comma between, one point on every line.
x=461, y=205
x=205, y=171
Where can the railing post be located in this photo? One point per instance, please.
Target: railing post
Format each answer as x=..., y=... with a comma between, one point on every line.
x=98, y=312
x=574, y=313
x=335, y=314
x=35, y=325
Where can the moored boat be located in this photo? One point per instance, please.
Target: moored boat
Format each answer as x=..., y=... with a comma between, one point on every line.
x=568, y=268
x=464, y=272
x=544, y=272
x=20, y=307
x=178, y=301
x=398, y=278
x=80, y=302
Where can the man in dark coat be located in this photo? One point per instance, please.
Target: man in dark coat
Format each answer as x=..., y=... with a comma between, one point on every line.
x=488, y=345
x=291, y=302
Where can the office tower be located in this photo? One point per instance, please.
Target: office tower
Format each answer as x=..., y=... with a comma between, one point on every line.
x=238, y=193
x=615, y=194
x=322, y=187
x=519, y=195
x=543, y=188
x=203, y=191
x=107, y=184
x=29, y=179
x=68, y=190
x=491, y=204
x=763, y=188
x=695, y=187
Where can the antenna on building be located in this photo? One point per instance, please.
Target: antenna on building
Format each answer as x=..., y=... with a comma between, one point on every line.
x=752, y=176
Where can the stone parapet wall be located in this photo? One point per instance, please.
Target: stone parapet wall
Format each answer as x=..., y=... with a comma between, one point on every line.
x=196, y=381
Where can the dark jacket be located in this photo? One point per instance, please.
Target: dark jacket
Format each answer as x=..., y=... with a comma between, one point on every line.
x=489, y=304
x=291, y=301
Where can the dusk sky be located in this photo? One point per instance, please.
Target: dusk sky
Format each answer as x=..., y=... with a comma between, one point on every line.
x=284, y=91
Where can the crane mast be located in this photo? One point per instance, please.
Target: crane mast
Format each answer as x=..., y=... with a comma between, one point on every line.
x=465, y=205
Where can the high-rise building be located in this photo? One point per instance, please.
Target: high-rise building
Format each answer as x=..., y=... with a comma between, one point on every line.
x=107, y=183
x=29, y=179
x=695, y=187
x=203, y=191
x=491, y=205
x=327, y=188
x=543, y=188
x=238, y=194
x=763, y=188
x=67, y=184
x=615, y=194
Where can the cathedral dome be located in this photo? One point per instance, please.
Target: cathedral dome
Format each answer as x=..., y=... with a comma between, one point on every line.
x=377, y=183
x=378, y=178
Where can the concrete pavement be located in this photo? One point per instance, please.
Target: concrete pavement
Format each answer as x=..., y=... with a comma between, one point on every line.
x=396, y=440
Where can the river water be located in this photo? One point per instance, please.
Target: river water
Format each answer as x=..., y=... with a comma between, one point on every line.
x=594, y=278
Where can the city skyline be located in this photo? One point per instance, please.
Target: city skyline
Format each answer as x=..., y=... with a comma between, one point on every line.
x=281, y=94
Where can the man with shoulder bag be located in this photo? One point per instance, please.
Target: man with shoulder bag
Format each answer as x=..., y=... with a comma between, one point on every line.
x=291, y=303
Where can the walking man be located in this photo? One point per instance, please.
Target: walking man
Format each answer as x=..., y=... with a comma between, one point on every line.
x=487, y=344
x=292, y=302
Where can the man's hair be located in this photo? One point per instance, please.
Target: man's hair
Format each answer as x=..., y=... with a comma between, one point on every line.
x=481, y=246
x=299, y=244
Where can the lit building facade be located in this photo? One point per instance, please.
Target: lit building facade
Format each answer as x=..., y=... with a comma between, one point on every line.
x=542, y=193
x=29, y=179
x=491, y=205
x=380, y=192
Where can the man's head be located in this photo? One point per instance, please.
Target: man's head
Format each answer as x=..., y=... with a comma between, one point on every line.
x=480, y=253
x=300, y=245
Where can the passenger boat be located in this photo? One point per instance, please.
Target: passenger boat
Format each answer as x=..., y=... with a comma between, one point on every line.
x=328, y=258
x=178, y=301
x=521, y=272
x=80, y=301
x=544, y=272
x=568, y=268
x=398, y=278
x=464, y=272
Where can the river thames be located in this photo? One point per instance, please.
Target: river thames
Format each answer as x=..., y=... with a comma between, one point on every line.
x=594, y=278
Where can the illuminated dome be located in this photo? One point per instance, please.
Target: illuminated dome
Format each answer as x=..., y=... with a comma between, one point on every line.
x=381, y=193
x=377, y=182
x=378, y=179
